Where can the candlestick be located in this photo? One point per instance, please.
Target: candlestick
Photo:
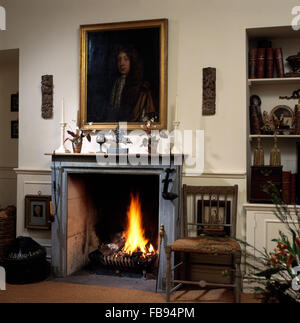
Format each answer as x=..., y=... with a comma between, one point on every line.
x=176, y=109
x=62, y=149
x=177, y=145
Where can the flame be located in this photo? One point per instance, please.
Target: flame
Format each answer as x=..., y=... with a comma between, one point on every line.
x=135, y=235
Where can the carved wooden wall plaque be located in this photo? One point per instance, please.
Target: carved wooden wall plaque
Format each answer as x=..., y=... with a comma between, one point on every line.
x=47, y=96
x=209, y=91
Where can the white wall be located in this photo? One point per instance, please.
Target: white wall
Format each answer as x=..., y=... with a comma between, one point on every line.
x=201, y=34
x=9, y=84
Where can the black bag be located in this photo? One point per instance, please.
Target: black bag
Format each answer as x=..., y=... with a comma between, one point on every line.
x=25, y=262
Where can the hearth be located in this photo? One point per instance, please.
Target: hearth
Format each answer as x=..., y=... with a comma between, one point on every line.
x=125, y=216
x=109, y=216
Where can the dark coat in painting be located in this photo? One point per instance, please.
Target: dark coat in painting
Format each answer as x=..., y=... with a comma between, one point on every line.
x=136, y=102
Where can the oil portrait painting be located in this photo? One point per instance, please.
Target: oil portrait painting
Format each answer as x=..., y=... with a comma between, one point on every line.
x=123, y=74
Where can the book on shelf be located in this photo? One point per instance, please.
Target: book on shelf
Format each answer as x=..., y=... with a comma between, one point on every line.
x=269, y=63
x=252, y=62
x=263, y=61
x=279, y=62
x=260, y=63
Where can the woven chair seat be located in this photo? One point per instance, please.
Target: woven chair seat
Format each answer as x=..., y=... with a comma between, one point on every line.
x=206, y=245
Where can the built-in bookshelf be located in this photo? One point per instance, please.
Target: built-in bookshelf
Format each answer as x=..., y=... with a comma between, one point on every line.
x=269, y=90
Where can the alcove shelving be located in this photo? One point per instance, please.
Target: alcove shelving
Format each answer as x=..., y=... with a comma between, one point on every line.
x=269, y=90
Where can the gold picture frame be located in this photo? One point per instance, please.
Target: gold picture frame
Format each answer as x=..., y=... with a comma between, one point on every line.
x=105, y=98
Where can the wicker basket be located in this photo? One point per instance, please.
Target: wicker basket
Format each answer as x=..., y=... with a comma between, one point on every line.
x=7, y=233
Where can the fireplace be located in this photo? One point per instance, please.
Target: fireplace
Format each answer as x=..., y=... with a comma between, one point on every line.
x=92, y=203
x=114, y=217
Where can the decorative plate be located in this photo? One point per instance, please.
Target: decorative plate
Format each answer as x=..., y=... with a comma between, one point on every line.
x=283, y=117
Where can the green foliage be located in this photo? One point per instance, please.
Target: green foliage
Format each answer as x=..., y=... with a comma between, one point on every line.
x=273, y=270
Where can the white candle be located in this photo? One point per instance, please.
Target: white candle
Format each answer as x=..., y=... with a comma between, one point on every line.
x=176, y=109
x=62, y=112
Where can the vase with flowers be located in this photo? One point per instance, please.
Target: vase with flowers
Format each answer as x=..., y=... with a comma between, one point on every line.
x=77, y=138
x=151, y=140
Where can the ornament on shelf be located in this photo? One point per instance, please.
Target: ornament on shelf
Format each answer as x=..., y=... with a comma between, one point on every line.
x=275, y=159
x=294, y=62
x=259, y=157
x=209, y=91
x=47, y=96
x=295, y=96
x=268, y=127
x=152, y=140
x=62, y=149
x=120, y=138
x=256, y=121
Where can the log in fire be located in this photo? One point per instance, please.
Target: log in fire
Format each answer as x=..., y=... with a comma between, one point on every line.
x=128, y=250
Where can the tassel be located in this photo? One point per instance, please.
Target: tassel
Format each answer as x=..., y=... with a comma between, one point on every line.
x=275, y=159
x=259, y=159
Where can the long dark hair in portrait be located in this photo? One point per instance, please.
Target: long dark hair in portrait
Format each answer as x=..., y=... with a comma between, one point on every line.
x=135, y=90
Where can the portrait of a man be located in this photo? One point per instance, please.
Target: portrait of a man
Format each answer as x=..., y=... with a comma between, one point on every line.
x=37, y=211
x=123, y=74
x=131, y=96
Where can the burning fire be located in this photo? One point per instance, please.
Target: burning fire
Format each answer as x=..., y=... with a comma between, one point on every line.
x=135, y=238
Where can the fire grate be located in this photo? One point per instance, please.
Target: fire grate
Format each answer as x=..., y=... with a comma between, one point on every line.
x=112, y=255
x=122, y=261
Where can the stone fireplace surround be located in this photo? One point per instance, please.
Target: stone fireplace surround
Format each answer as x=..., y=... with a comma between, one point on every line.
x=68, y=235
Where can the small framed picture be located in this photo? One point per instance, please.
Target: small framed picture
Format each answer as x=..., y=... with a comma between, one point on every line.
x=283, y=117
x=14, y=102
x=213, y=213
x=14, y=128
x=37, y=212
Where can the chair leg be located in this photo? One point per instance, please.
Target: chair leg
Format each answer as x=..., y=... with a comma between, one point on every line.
x=238, y=277
x=168, y=274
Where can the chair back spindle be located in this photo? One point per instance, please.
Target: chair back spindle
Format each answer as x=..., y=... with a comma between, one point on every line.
x=210, y=210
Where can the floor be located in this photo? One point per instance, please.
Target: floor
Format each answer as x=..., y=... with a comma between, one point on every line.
x=61, y=292
x=84, y=277
x=84, y=287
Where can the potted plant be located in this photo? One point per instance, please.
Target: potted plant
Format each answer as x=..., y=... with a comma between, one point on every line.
x=77, y=138
x=276, y=273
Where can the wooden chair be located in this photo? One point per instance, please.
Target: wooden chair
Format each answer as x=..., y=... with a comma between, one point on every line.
x=208, y=255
